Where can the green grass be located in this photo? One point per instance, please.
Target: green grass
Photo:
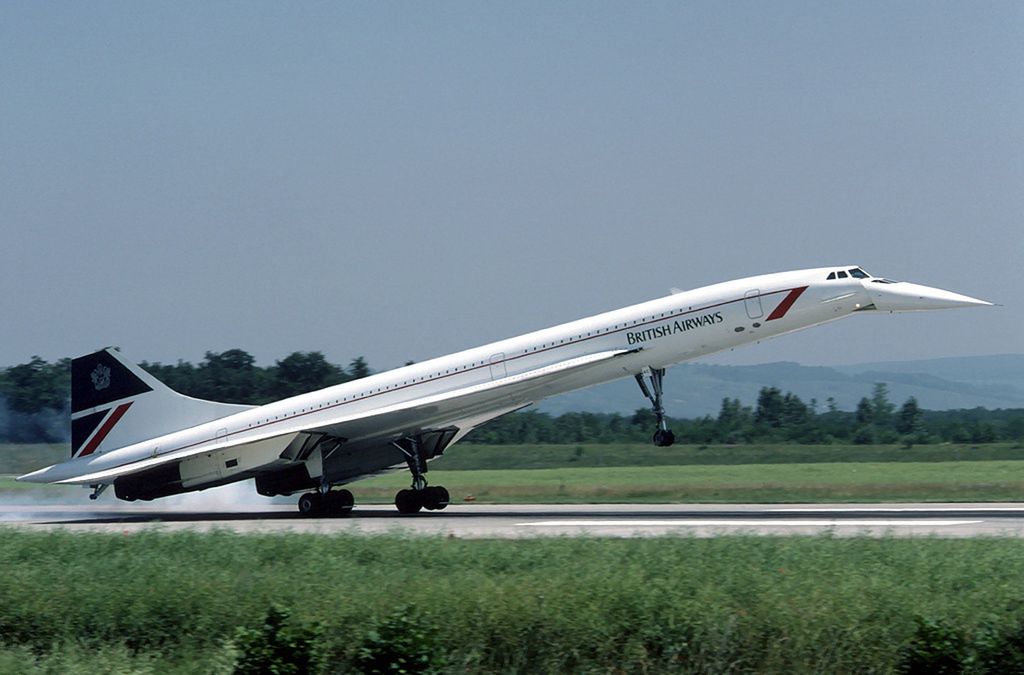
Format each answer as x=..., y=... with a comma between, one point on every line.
x=733, y=604
x=470, y=457
x=779, y=483
x=627, y=473
x=17, y=459
x=764, y=483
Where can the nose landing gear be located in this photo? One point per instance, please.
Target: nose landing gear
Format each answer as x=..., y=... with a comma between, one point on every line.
x=663, y=436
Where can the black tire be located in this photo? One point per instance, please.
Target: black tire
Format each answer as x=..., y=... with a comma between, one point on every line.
x=408, y=501
x=664, y=439
x=310, y=504
x=338, y=502
x=428, y=497
x=435, y=498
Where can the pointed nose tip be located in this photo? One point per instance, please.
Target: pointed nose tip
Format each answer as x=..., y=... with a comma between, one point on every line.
x=907, y=297
x=968, y=301
x=948, y=299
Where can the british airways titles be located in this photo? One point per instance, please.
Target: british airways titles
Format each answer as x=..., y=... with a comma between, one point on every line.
x=676, y=326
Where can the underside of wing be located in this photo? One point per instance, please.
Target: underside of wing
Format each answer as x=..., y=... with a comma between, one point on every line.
x=357, y=436
x=471, y=402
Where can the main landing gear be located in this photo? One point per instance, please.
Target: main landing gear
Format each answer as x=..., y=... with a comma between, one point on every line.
x=419, y=495
x=326, y=502
x=663, y=437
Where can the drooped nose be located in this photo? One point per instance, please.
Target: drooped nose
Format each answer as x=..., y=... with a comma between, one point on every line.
x=903, y=296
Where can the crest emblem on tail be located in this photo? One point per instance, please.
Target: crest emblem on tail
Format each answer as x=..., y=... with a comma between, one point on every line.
x=101, y=377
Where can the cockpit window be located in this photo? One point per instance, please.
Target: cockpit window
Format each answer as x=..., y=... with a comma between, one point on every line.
x=858, y=273
x=831, y=275
x=842, y=275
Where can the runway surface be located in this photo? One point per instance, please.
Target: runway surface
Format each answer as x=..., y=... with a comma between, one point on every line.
x=538, y=520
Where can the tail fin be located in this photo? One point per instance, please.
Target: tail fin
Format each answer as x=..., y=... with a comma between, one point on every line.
x=115, y=403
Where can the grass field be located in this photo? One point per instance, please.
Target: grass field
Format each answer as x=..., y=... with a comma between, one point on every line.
x=174, y=602
x=17, y=459
x=472, y=457
x=848, y=482
x=980, y=474
x=770, y=483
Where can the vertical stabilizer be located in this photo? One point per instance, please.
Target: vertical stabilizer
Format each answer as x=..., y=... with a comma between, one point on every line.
x=115, y=403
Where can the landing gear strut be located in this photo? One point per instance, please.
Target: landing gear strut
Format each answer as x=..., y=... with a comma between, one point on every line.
x=663, y=437
x=419, y=495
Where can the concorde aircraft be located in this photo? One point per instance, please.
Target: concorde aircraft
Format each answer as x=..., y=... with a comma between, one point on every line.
x=133, y=432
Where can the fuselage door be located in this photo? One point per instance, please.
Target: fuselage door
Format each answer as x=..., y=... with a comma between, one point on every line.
x=498, y=366
x=752, y=301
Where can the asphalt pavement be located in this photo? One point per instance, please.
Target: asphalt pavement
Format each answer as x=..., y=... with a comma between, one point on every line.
x=538, y=520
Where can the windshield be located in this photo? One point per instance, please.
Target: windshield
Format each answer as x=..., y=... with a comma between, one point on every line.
x=858, y=273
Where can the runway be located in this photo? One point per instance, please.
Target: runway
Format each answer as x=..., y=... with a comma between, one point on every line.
x=544, y=520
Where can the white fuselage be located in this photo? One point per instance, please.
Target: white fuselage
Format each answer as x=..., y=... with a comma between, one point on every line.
x=650, y=335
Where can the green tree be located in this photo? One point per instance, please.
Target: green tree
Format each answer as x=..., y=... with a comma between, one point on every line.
x=881, y=407
x=37, y=385
x=303, y=372
x=358, y=369
x=864, y=435
x=733, y=421
x=770, y=407
x=865, y=412
x=1015, y=428
x=180, y=377
x=795, y=412
x=231, y=377
x=908, y=420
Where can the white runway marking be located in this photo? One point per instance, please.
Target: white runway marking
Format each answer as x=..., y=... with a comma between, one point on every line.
x=900, y=509
x=746, y=523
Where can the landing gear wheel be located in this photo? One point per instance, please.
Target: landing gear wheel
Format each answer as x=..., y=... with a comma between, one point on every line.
x=435, y=498
x=338, y=502
x=408, y=501
x=664, y=438
x=310, y=504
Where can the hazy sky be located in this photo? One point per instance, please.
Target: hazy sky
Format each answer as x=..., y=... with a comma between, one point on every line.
x=404, y=180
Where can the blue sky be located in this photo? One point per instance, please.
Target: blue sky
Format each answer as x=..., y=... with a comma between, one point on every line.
x=402, y=180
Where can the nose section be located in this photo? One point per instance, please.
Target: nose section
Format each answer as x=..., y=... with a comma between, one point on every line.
x=903, y=296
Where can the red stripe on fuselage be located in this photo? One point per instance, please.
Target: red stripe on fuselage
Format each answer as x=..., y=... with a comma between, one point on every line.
x=108, y=424
x=786, y=303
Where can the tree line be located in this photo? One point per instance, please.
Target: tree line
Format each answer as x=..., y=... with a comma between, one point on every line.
x=36, y=404
x=776, y=417
x=36, y=408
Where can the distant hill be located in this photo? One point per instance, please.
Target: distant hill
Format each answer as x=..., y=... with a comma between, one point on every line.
x=696, y=389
